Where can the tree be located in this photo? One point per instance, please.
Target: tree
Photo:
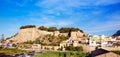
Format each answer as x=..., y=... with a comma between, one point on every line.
x=27, y=26
x=81, y=31
x=67, y=30
x=64, y=30
x=52, y=29
x=43, y=28
x=69, y=34
x=74, y=29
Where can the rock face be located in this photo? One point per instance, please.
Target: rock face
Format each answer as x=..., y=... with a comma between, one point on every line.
x=33, y=33
x=29, y=34
x=78, y=34
x=117, y=33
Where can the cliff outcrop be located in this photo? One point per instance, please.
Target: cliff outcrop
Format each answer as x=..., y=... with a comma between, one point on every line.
x=31, y=34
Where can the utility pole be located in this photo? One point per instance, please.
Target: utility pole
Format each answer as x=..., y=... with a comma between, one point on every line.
x=2, y=37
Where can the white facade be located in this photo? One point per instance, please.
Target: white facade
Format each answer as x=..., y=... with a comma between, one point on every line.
x=104, y=44
x=93, y=43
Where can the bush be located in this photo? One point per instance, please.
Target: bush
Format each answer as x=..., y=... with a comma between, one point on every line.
x=60, y=49
x=43, y=28
x=14, y=45
x=52, y=29
x=71, y=48
x=27, y=26
x=11, y=51
x=78, y=48
x=67, y=30
x=29, y=42
x=62, y=37
x=117, y=52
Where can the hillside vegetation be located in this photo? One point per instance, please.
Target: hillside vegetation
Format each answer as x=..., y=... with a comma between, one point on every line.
x=27, y=26
x=10, y=51
x=48, y=40
x=52, y=29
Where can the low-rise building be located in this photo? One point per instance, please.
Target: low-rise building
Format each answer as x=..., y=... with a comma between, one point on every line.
x=36, y=46
x=102, y=40
x=94, y=40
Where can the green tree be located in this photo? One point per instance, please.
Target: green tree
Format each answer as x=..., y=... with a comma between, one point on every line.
x=64, y=30
x=67, y=30
x=27, y=26
x=74, y=29
x=43, y=28
x=52, y=29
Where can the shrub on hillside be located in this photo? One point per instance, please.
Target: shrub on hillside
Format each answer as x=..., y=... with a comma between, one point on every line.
x=27, y=26
x=52, y=29
x=67, y=30
x=43, y=28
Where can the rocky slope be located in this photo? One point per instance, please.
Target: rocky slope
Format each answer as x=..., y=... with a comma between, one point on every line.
x=31, y=34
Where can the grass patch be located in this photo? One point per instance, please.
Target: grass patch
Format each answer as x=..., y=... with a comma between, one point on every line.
x=116, y=51
x=62, y=54
x=11, y=51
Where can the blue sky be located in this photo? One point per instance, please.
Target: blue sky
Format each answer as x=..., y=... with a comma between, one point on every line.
x=100, y=17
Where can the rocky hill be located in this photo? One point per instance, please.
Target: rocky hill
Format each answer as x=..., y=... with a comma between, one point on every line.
x=117, y=33
x=42, y=36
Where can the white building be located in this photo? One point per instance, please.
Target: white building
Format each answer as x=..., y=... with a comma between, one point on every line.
x=93, y=40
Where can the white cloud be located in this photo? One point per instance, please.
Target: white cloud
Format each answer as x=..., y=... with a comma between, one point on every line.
x=74, y=3
x=20, y=3
x=66, y=7
x=51, y=22
x=112, y=24
x=107, y=2
x=115, y=25
x=57, y=24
